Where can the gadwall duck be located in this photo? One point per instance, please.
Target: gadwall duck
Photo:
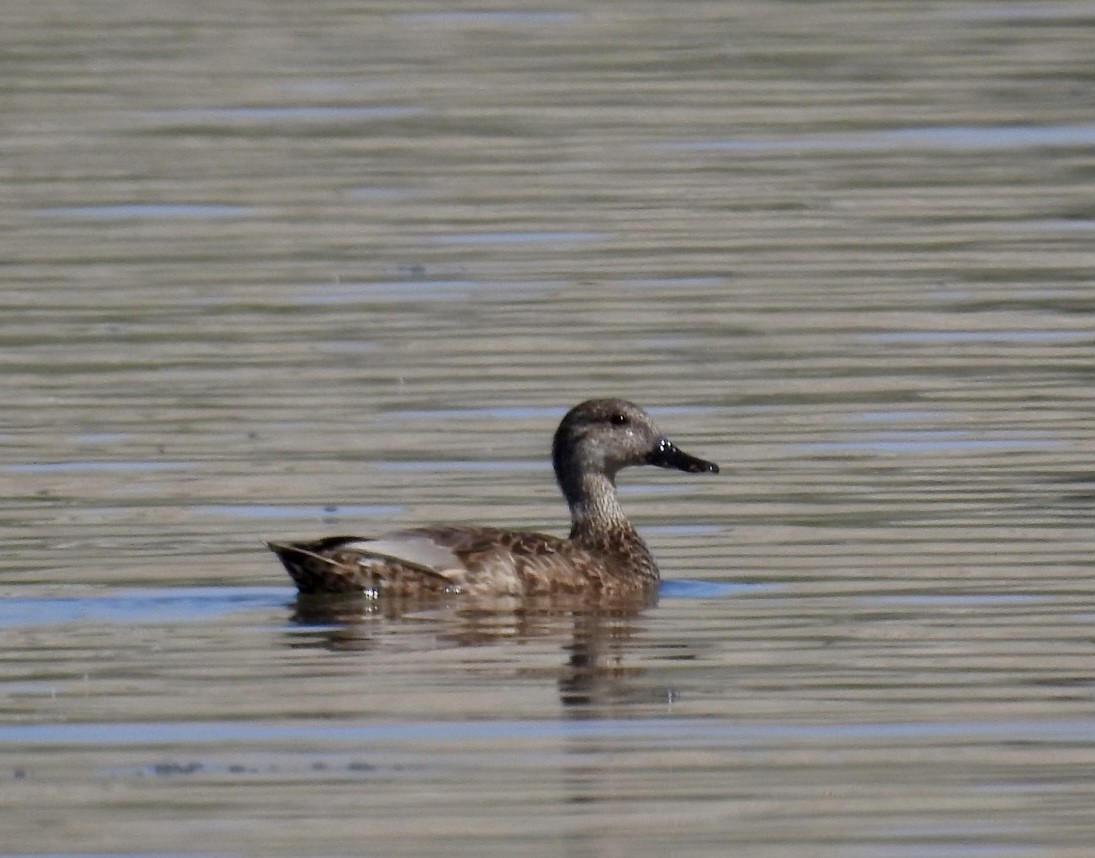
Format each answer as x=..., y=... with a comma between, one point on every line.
x=603, y=554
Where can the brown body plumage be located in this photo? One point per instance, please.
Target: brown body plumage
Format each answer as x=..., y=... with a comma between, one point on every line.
x=603, y=554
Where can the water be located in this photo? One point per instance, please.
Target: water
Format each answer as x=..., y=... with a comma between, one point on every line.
x=274, y=270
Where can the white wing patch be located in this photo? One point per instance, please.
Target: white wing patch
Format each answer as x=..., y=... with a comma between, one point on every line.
x=415, y=549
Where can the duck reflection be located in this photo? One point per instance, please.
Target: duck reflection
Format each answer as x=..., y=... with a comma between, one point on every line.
x=595, y=637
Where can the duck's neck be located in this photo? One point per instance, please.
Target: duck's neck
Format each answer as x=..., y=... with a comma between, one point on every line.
x=598, y=523
x=595, y=511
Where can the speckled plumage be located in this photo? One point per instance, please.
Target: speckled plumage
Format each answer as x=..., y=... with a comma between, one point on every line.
x=603, y=555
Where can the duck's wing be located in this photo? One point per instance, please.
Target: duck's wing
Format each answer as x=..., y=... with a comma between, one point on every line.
x=491, y=561
x=485, y=561
x=347, y=564
x=425, y=560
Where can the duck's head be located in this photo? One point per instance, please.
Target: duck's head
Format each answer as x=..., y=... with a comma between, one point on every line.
x=601, y=436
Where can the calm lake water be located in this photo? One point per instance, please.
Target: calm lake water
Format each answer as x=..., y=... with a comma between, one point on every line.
x=276, y=269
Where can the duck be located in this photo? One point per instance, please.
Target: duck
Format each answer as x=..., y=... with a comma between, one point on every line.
x=603, y=555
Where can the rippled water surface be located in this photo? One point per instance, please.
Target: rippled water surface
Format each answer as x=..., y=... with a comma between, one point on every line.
x=279, y=269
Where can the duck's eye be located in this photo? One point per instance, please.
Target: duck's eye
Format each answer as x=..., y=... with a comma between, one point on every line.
x=618, y=419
